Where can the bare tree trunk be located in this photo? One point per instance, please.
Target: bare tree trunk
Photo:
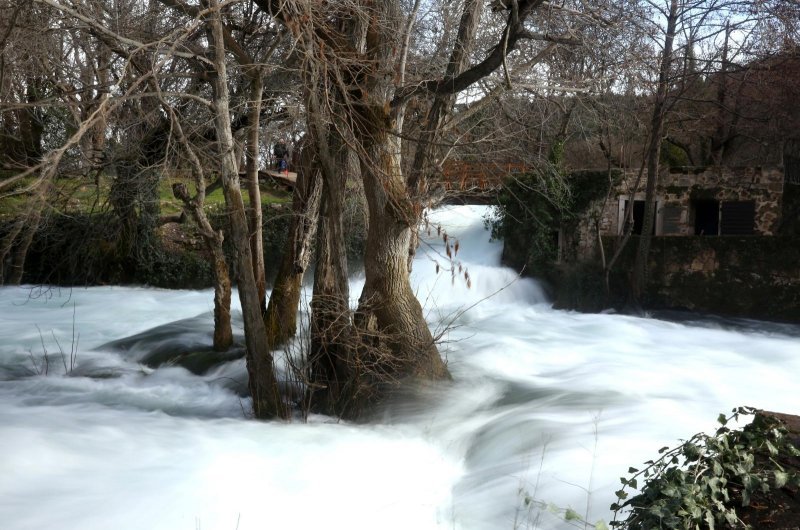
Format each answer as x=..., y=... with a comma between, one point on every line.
x=30, y=124
x=387, y=303
x=263, y=384
x=254, y=217
x=223, y=334
x=332, y=340
x=281, y=316
x=639, y=280
x=18, y=241
x=395, y=341
x=722, y=131
x=98, y=135
x=442, y=103
x=441, y=106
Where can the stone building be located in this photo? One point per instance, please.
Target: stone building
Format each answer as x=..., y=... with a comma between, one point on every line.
x=709, y=201
x=726, y=239
x=704, y=201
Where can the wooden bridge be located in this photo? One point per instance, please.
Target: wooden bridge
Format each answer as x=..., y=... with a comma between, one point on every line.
x=465, y=181
x=457, y=176
x=460, y=180
x=285, y=179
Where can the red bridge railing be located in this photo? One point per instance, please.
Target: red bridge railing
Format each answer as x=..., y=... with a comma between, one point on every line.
x=460, y=175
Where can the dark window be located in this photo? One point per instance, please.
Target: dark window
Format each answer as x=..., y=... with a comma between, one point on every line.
x=706, y=218
x=738, y=218
x=638, y=217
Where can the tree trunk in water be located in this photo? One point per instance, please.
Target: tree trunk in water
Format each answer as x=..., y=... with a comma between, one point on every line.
x=254, y=217
x=395, y=340
x=332, y=338
x=281, y=316
x=331, y=326
x=223, y=334
x=388, y=306
x=639, y=280
x=267, y=401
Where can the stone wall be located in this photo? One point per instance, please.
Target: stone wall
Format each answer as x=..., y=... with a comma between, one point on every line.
x=749, y=276
x=740, y=276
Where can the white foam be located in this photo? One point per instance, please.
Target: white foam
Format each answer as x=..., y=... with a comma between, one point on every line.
x=553, y=403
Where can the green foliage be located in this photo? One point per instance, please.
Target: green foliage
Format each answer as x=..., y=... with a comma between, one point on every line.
x=534, y=206
x=85, y=250
x=173, y=270
x=672, y=155
x=589, y=186
x=699, y=483
x=557, y=154
x=529, y=214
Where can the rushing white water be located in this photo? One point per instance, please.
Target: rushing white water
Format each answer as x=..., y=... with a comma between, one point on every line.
x=547, y=404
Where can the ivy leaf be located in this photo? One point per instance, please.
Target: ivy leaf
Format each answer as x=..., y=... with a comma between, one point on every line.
x=781, y=478
x=710, y=519
x=621, y=494
x=772, y=449
x=572, y=515
x=746, y=497
x=731, y=518
x=722, y=419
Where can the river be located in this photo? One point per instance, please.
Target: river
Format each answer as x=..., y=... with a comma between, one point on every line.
x=545, y=405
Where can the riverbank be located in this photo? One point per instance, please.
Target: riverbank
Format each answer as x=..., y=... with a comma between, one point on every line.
x=84, y=249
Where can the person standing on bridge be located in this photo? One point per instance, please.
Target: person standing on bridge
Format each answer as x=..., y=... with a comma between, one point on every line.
x=281, y=153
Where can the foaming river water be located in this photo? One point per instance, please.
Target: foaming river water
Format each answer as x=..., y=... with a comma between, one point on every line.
x=546, y=405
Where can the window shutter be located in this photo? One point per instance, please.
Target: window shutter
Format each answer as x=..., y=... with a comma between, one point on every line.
x=738, y=218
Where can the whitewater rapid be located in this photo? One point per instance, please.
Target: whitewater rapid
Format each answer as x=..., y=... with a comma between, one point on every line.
x=547, y=405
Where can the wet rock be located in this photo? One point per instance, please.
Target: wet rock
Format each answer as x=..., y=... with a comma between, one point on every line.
x=186, y=343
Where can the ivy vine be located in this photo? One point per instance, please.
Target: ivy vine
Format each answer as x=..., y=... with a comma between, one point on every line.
x=701, y=482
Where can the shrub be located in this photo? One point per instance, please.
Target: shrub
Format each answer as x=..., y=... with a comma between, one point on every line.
x=701, y=482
